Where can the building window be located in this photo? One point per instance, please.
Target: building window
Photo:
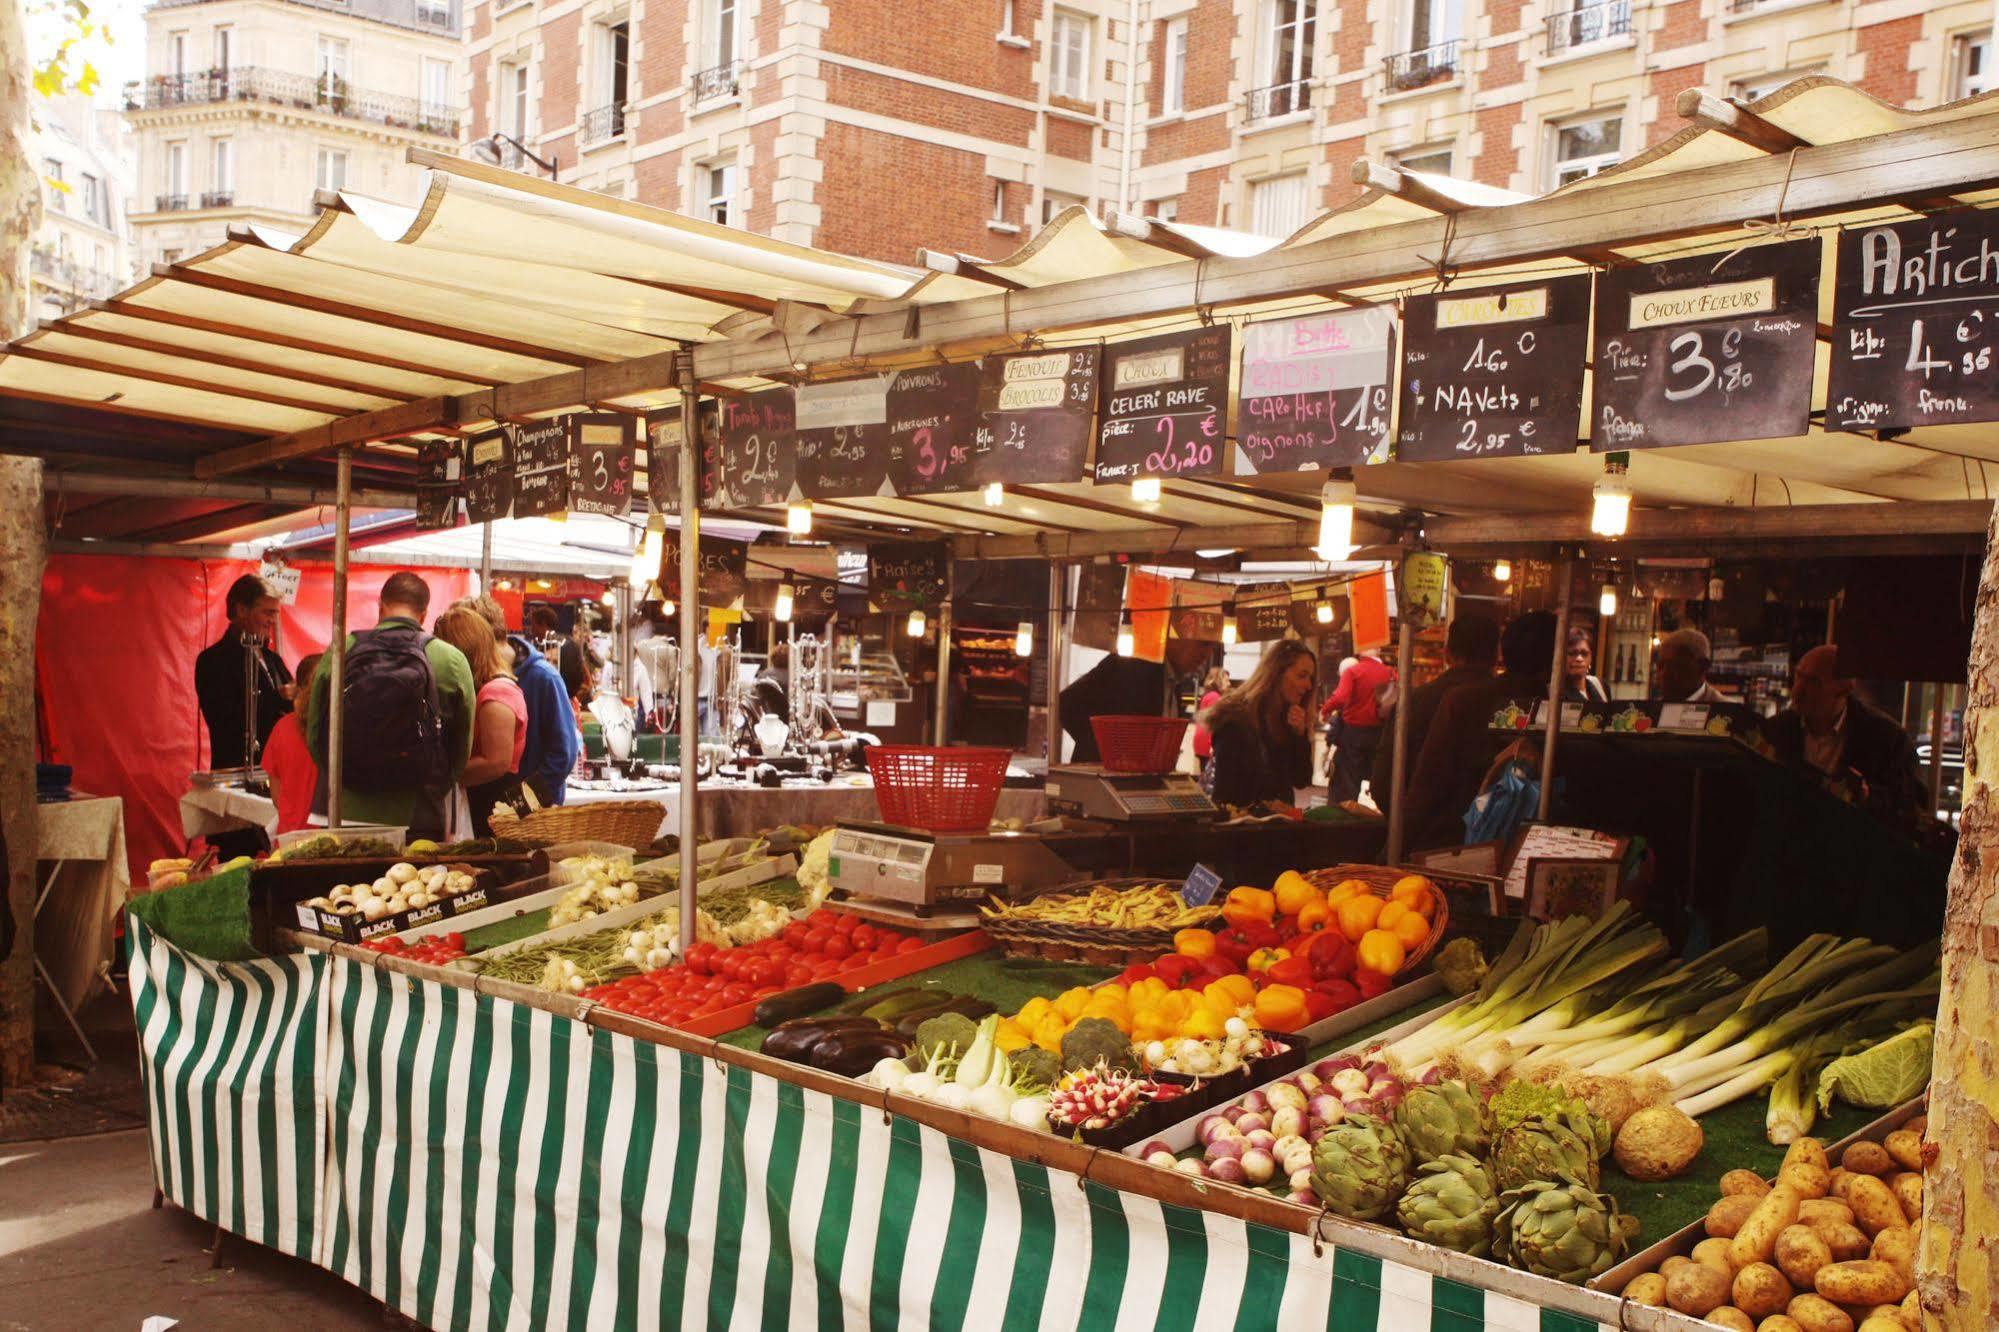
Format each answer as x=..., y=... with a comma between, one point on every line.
x=332, y=69
x=177, y=171
x=613, y=77
x=330, y=170
x=93, y=200
x=58, y=191
x=718, y=26
x=1575, y=23
x=999, y=202
x=718, y=192
x=436, y=91
x=1429, y=161
x=225, y=38
x=1971, y=64
x=1584, y=147
x=1173, y=79
x=1054, y=203
x=1164, y=210
x=223, y=174
x=1284, y=60
x=1069, y=57
x=177, y=53
x=1278, y=206
x=1756, y=89
x=514, y=103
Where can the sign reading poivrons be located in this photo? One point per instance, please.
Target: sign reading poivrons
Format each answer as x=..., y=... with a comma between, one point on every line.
x=933, y=428
x=1165, y=406
x=1696, y=350
x=1494, y=373
x=1915, y=319
x=1315, y=391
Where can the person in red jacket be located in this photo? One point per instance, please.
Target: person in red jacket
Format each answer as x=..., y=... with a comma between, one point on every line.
x=1356, y=701
x=288, y=763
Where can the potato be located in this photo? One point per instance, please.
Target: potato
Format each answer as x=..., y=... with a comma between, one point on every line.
x=1812, y=1211
x=1806, y=1179
x=1864, y=1281
x=1883, y=1322
x=1912, y=1310
x=1845, y=1241
x=1874, y=1206
x=1674, y=1264
x=1806, y=1151
x=1730, y=1317
x=1697, y=1289
x=1760, y=1290
x=1908, y=1190
x=1757, y=1239
x=1727, y=1215
x=1840, y=1178
x=1648, y=1289
x=1897, y=1248
x=1906, y=1148
x=1866, y=1158
x=1815, y=1313
x=1717, y=1254
x=1800, y=1253
x=1743, y=1181
x=1779, y=1323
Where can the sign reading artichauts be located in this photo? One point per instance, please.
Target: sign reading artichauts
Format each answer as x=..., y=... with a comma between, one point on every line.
x=1314, y=391
x=1496, y=372
x=1914, y=324
x=1697, y=350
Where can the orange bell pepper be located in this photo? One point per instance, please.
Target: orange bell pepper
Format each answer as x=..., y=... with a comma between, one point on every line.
x=1281, y=1008
x=1196, y=943
x=1249, y=906
x=1315, y=916
x=1235, y=991
x=1263, y=959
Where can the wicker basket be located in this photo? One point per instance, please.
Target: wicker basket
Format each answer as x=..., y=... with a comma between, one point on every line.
x=1097, y=946
x=630, y=823
x=1379, y=879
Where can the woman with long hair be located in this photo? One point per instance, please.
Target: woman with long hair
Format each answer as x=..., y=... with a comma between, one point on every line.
x=1262, y=730
x=500, y=721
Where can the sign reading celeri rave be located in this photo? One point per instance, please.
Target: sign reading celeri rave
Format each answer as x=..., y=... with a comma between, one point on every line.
x=1493, y=373
x=1165, y=406
x=1915, y=320
x=1314, y=391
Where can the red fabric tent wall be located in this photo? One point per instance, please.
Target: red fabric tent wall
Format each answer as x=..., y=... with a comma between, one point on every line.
x=115, y=649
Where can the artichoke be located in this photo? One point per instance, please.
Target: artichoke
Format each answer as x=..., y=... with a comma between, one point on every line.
x=1452, y=1204
x=1518, y=1102
x=1360, y=1167
x=1443, y=1119
x=1542, y=1149
x=1561, y=1229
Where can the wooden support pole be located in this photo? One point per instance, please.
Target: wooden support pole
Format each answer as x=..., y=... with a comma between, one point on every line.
x=1738, y=122
x=1058, y=587
x=1567, y=587
x=336, y=641
x=943, y=699
x=1398, y=774
x=690, y=650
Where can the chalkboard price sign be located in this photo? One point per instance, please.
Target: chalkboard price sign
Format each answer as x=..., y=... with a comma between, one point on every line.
x=933, y=429
x=1695, y=350
x=541, y=467
x=489, y=478
x=906, y=575
x=1165, y=406
x=1314, y=391
x=1493, y=373
x=843, y=438
x=724, y=564
x=1035, y=411
x=1915, y=323
x=438, y=484
x=601, y=444
x=757, y=461
x=1262, y=612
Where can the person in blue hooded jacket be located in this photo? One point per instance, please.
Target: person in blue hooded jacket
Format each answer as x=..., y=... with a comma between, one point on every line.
x=552, y=739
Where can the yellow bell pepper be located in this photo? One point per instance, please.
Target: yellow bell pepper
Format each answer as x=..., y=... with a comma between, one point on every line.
x=1032, y=1012
x=1240, y=989
x=1071, y=1003
x=1048, y=1032
x=1265, y=958
x=1203, y=1025
x=1010, y=1036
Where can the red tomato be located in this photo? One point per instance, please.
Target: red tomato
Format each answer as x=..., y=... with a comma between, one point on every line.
x=837, y=947
x=737, y=994
x=823, y=918
x=909, y=945
x=816, y=941
x=846, y=924
x=864, y=935
x=794, y=933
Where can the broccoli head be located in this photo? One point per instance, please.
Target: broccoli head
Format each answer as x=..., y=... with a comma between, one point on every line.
x=1461, y=965
x=1036, y=1065
x=1095, y=1040
x=954, y=1032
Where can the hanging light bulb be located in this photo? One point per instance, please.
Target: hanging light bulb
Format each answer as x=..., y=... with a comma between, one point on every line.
x=1023, y=639
x=1610, y=510
x=798, y=518
x=916, y=623
x=1502, y=571
x=995, y=494
x=781, y=612
x=1145, y=490
x=1336, y=500
x=1606, y=604
x=645, y=560
x=666, y=607
x=1323, y=612
x=1228, y=626
x=607, y=598
x=1127, y=642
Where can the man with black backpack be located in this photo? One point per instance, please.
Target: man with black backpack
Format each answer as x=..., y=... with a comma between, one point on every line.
x=406, y=721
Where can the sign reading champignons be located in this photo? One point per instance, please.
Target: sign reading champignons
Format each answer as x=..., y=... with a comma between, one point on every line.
x=1914, y=323
x=1165, y=406
x=541, y=467
x=1696, y=350
x=1314, y=391
x=1493, y=373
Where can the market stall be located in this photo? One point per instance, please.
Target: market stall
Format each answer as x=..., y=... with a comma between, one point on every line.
x=787, y=1190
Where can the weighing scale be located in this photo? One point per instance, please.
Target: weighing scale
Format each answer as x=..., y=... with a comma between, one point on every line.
x=918, y=870
x=1092, y=791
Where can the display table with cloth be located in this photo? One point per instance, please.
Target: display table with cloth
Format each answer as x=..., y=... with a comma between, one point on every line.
x=216, y=809
x=83, y=880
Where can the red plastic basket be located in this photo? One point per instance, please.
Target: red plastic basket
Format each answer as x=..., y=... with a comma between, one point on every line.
x=950, y=789
x=1139, y=744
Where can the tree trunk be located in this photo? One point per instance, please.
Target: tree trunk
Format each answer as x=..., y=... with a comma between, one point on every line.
x=1961, y=1149
x=21, y=552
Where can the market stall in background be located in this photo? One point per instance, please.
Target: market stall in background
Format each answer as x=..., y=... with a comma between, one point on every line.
x=1136, y=1056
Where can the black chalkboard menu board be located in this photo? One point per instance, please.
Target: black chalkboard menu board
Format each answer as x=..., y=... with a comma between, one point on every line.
x=602, y=447
x=1165, y=405
x=1496, y=372
x=1695, y=350
x=724, y=564
x=489, y=478
x=755, y=463
x=662, y=471
x=1262, y=612
x=1035, y=411
x=1314, y=391
x=906, y=575
x=437, y=485
x=541, y=467
x=1915, y=317
x=933, y=419
x=842, y=432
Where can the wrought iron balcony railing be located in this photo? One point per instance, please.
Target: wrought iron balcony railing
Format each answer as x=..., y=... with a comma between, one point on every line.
x=1279, y=99
x=1588, y=23
x=302, y=92
x=1422, y=67
x=600, y=126
x=720, y=81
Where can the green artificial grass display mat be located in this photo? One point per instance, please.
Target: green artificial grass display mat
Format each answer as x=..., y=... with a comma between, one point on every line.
x=502, y=932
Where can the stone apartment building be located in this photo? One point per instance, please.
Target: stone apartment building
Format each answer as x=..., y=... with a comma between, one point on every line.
x=83, y=251
x=250, y=106
x=878, y=126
